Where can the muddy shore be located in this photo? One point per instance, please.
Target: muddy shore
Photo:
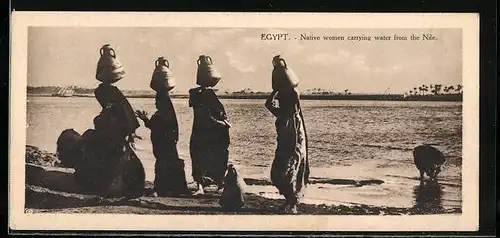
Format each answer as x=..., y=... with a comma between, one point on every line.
x=49, y=190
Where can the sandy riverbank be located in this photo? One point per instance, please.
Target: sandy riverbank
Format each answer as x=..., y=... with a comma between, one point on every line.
x=49, y=190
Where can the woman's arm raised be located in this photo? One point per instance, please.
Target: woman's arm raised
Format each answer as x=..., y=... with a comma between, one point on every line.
x=271, y=105
x=144, y=117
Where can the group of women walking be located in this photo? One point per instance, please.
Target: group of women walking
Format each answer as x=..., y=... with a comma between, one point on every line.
x=209, y=143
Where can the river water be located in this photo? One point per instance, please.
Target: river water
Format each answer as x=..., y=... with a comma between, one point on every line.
x=348, y=140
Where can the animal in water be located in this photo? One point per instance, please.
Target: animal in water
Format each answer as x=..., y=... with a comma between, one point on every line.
x=232, y=194
x=69, y=147
x=428, y=160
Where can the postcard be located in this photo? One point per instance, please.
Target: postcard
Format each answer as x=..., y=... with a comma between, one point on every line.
x=244, y=121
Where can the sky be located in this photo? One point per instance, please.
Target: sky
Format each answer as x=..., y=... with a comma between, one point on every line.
x=68, y=56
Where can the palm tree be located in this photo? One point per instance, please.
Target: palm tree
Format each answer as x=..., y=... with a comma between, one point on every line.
x=346, y=90
x=459, y=88
x=437, y=88
x=424, y=88
x=451, y=88
x=415, y=90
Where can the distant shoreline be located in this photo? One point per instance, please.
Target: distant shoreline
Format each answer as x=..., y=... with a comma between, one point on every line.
x=370, y=97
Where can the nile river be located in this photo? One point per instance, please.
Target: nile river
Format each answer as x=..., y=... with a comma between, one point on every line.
x=347, y=140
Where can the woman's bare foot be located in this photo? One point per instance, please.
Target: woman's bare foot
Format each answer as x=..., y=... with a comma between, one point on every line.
x=291, y=210
x=292, y=205
x=199, y=191
x=220, y=188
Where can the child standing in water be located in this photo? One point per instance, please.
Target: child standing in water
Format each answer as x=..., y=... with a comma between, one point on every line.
x=170, y=178
x=290, y=168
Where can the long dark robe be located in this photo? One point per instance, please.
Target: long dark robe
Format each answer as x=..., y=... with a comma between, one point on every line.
x=209, y=143
x=109, y=166
x=170, y=177
x=106, y=94
x=290, y=168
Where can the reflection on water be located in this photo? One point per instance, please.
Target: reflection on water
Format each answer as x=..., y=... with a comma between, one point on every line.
x=428, y=196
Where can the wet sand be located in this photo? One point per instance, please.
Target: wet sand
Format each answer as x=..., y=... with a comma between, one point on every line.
x=259, y=197
x=349, y=185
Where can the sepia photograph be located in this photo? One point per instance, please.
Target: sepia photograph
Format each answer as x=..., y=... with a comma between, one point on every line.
x=250, y=117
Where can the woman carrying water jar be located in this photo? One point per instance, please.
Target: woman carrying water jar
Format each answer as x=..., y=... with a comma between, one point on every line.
x=170, y=178
x=290, y=168
x=209, y=143
x=109, y=166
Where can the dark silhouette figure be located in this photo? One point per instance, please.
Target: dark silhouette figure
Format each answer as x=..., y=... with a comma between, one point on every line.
x=209, y=141
x=290, y=168
x=69, y=147
x=170, y=178
x=428, y=160
x=109, y=167
x=107, y=94
x=428, y=196
x=232, y=195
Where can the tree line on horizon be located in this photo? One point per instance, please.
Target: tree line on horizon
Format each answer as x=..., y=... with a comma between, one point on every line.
x=436, y=89
x=311, y=91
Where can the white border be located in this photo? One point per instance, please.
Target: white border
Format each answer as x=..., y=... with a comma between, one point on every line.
x=467, y=221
